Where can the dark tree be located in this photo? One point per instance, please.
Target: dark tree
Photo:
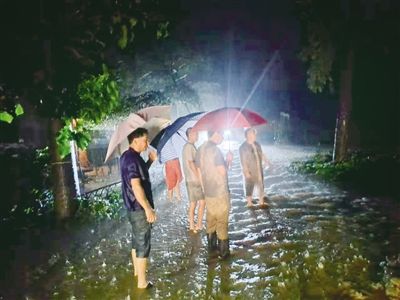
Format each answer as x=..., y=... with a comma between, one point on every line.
x=337, y=35
x=52, y=53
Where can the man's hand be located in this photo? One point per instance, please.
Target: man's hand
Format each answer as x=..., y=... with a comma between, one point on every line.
x=150, y=215
x=247, y=174
x=153, y=155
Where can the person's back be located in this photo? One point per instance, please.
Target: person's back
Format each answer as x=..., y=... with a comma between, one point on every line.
x=214, y=178
x=210, y=158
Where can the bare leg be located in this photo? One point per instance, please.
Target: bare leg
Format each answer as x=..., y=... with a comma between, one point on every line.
x=261, y=201
x=169, y=195
x=249, y=201
x=134, y=260
x=261, y=195
x=200, y=214
x=192, y=207
x=141, y=270
x=177, y=191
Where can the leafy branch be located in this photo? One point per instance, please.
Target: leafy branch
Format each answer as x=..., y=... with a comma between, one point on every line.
x=98, y=97
x=8, y=117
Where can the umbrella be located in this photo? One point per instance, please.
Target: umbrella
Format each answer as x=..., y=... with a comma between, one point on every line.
x=130, y=124
x=157, y=111
x=155, y=125
x=229, y=117
x=170, y=141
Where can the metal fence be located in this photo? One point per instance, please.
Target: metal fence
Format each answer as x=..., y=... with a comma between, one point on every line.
x=103, y=191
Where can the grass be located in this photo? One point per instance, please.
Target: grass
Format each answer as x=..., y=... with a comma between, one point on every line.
x=375, y=174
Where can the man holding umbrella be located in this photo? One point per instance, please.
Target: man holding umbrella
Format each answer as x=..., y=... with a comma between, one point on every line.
x=214, y=176
x=214, y=169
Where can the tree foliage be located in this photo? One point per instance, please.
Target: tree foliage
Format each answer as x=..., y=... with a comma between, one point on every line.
x=10, y=106
x=162, y=75
x=98, y=96
x=352, y=47
x=8, y=117
x=54, y=52
x=330, y=29
x=324, y=31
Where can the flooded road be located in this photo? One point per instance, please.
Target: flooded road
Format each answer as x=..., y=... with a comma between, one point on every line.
x=314, y=241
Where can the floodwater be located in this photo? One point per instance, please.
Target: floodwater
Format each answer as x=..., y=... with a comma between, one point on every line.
x=314, y=241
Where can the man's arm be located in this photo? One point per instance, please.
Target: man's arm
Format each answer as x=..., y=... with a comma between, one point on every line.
x=196, y=163
x=152, y=157
x=221, y=170
x=140, y=196
x=264, y=158
x=200, y=178
x=266, y=161
x=194, y=169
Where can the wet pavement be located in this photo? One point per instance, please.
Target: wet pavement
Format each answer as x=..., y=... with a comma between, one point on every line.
x=314, y=241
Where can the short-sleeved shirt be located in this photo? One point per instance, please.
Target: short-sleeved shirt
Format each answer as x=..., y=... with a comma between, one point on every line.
x=250, y=158
x=133, y=166
x=208, y=158
x=189, y=154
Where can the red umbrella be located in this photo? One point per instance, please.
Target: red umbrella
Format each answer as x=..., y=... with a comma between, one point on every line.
x=229, y=117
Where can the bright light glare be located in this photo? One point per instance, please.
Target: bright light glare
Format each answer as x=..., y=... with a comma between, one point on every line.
x=202, y=138
x=229, y=145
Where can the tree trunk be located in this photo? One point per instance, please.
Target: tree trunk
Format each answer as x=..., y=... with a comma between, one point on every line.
x=342, y=131
x=62, y=177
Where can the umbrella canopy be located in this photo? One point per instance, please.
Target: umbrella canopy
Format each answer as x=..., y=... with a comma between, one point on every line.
x=170, y=141
x=229, y=117
x=133, y=121
x=157, y=111
x=155, y=125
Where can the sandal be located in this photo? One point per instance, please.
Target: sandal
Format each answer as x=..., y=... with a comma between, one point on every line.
x=148, y=286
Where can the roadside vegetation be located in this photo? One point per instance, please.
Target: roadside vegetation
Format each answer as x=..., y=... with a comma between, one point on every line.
x=37, y=204
x=375, y=174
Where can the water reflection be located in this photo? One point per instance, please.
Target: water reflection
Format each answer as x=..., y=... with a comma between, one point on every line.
x=219, y=283
x=312, y=242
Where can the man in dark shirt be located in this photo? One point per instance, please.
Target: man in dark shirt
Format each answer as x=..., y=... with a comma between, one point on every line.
x=138, y=200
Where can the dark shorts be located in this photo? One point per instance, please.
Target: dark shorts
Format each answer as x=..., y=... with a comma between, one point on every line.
x=249, y=185
x=195, y=191
x=141, y=233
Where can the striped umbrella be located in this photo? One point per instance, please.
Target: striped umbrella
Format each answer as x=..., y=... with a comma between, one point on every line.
x=169, y=143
